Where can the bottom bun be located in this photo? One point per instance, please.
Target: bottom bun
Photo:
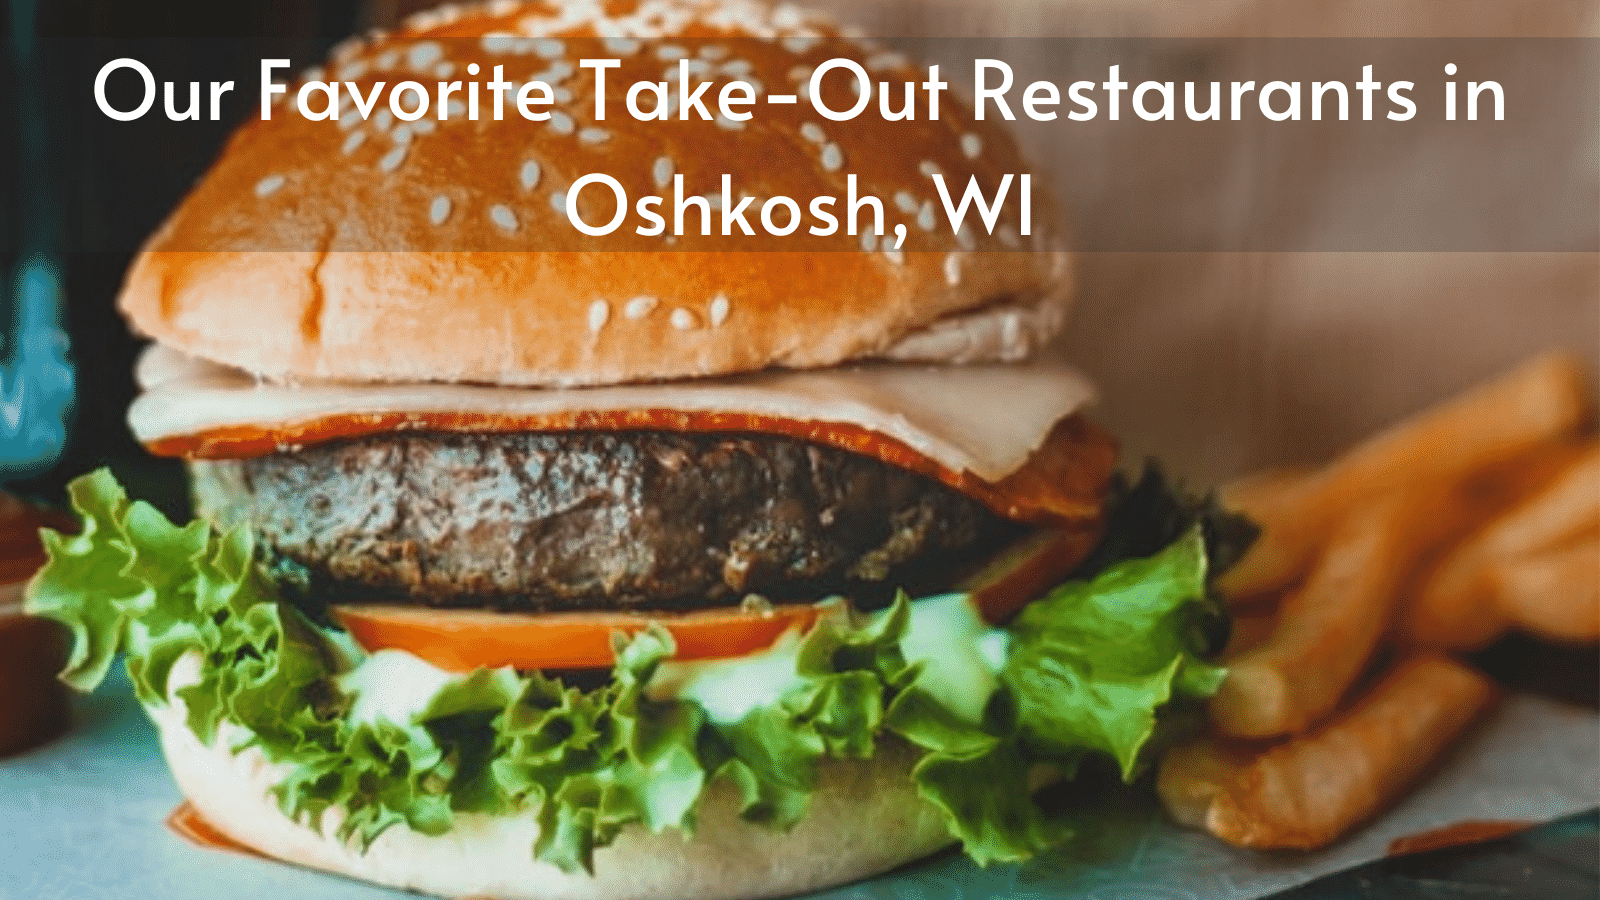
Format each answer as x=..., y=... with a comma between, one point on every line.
x=865, y=818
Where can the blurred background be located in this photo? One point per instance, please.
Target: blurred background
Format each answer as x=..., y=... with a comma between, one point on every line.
x=1309, y=321
x=79, y=191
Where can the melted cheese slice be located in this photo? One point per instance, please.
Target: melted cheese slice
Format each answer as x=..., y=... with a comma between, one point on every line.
x=981, y=419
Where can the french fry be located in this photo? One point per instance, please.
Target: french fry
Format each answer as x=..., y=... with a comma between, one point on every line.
x=1540, y=400
x=1193, y=775
x=1271, y=496
x=1453, y=606
x=1328, y=628
x=1554, y=595
x=1304, y=793
x=1259, y=494
x=1569, y=505
x=1451, y=609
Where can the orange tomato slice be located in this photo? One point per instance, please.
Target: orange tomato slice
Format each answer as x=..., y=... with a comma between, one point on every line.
x=460, y=640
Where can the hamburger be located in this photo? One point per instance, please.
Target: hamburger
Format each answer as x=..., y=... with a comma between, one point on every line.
x=528, y=567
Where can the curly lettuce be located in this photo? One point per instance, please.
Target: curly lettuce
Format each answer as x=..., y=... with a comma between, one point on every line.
x=1088, y=670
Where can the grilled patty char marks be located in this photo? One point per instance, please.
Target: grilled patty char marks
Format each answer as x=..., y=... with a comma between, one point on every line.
x=595, y=520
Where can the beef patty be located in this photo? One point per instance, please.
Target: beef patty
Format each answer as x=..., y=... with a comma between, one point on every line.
x=539, y=521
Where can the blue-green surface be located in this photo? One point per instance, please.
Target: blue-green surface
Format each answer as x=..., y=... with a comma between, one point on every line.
x=1560, y=861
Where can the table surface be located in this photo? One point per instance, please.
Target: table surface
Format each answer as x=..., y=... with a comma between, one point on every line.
x=80, y=819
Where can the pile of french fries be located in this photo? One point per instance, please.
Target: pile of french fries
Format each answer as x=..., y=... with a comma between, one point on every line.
x=1430, y=539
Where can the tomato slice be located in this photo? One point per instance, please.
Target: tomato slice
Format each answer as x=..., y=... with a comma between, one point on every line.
x=460, y=640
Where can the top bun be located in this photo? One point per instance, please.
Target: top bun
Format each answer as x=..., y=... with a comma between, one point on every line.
x=383, y=250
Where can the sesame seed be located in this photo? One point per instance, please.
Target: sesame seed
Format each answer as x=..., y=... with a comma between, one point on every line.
x=354, y=141
x=621, y=46
x=269, y=185
x=345, y=49
x=693, y=66
x=503, y=216
x=401, y=135
x=427, y=20
x=832, y=158
x=925, y=216
x=888, y=60
x=661, y=172
x=549, y=48
x=594, y=135
x=393, y=159
x=895, y=256
x=388, y=59
x=498, y=42
x=445, y=69
x=561, y=123
x=906, y=202
x=424, y=54
x=728, y=124
x=350, y=120
x=869, y=240
x=671, y=52
x=800, y=73
x=529, y=176
x=439, y=210
x=559, y=70
x=498, y=8
x=1009, y=236
x=599, y=314
x=799, y=43
x=787, y=16
x=719, y=310
x=1010, y=329
x=383, y=120
x=812, y=132
x=353, y=70
x=971, y=145
x=738, y=67
x=928, y=168
x=713, y=52
x=682, y=319
x=558, y=200
x=456, y=108
x=964, y=238
x=952, y=269
x=424, y=126
x=639, y=307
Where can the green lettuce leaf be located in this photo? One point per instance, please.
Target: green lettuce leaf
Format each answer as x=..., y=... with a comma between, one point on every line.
x=1092, y=668
x=1092, y=663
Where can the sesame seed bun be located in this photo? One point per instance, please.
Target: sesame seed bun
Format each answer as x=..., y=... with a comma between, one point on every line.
x=434, y=250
